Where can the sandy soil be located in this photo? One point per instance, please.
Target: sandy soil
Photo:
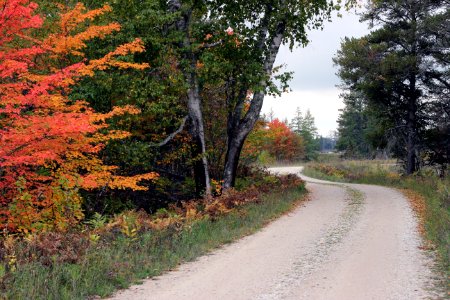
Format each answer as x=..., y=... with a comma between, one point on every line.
x=348, y=242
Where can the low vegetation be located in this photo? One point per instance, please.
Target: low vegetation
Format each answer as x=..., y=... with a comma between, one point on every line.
x=107, y=129
x=107, y=254
x=396, y=93
x=429, y=194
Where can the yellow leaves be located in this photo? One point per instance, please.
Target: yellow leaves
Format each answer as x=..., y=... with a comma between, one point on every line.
x=109, y=60
x=134, y=47
x=103, y=176
x=58, y=208
x=217, y=186
x=94, y=238
x=9, y=242
x=162, y=223
x=115, y=135
x=11, y=260
x=330, y=170
x=71, y=19
x=115, y=112
x=64, y=42
x=191, y=213
x=123, y=182
x=55, y=101
x=130, y=222
x=67, y=44
x=33, y=77
x=129, y=226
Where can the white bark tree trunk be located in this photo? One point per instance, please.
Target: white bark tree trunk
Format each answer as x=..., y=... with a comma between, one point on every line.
x=240, y=129
x=193, y=94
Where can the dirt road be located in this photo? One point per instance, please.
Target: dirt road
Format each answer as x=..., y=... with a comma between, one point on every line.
x=348, y=242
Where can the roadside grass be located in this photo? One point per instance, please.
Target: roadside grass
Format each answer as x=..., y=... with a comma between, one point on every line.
x=434, y=191
x=126, y=260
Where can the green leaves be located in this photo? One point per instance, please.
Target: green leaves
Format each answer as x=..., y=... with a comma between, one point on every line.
x=399, y=73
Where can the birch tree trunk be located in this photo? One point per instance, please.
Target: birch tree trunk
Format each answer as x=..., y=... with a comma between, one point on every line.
x=201, y=169
x=239, y=129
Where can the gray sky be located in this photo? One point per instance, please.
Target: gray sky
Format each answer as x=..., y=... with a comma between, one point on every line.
x=314, y=83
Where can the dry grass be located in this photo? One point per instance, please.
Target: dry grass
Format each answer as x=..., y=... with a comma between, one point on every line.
x=429, y=195
x=115, y=253
x=419, y=207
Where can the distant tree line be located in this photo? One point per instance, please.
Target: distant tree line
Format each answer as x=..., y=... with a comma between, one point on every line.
x=273, y=140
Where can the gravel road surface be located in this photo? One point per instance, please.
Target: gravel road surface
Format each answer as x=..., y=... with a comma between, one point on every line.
x=349, y=242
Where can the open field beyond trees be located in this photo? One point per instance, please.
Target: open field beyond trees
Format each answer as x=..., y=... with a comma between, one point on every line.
x=133, y=140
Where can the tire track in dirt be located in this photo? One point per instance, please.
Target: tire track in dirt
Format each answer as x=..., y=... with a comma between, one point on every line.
x=348, y=242
x=319, y=252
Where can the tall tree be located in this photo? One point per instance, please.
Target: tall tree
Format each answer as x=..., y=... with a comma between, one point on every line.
x=297, y=121
x=50, y=144
x=264, y=26
x=361, y=127
x=188, y=12
x=309, y=134
x=304, y=126
x=352, y=123
x=396, y=67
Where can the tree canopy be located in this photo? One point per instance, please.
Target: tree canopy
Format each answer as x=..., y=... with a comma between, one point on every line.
x=135, y=104
x=401, y=72
x=50, y=143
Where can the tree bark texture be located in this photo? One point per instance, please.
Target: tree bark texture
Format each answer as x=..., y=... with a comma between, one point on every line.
x=411, y=124
x=238, y=129
x=411, y=139
x=201, y=169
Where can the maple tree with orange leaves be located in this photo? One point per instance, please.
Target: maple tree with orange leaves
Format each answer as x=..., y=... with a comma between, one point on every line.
x=283, y=144
x=50, y=144
x=277, y=139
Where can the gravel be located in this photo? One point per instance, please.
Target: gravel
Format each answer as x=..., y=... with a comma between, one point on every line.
x=349, y=242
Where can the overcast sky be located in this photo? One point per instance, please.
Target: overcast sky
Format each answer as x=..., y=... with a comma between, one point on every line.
x=314, y=83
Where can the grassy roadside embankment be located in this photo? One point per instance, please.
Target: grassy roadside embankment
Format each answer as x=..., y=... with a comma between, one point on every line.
x=115, y=260
x=429, y=195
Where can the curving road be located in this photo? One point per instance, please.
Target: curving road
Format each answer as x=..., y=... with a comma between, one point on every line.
x=349, y=242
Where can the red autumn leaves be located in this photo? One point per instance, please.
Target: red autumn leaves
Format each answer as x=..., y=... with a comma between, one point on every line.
x=277, y=140
x=50, y=144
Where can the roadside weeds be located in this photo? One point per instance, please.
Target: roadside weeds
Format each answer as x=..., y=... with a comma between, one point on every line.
x=428, y=195
x=128, y=254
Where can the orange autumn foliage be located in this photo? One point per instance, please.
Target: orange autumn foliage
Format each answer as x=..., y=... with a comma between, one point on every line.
x=277, y=139
x=49, y=144
x=284, y=143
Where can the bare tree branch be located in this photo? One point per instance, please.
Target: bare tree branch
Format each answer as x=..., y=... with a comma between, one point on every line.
x=212, y=45
x=173, y=134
